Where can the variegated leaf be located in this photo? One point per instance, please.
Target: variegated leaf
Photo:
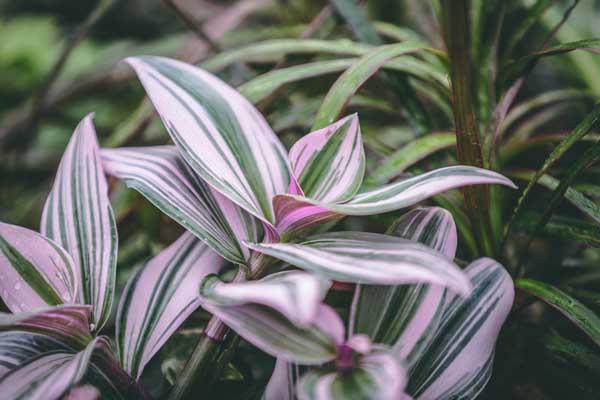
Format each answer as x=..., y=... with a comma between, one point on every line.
x=407, y=317
x=17, y=347
x=458, y=362
x=370, y=258
x=69, y=324
x=329, y=163
x=276, y=335
x=219, y=133
x=161, y=175
x=409, y=191
x=47, y=376
x=159, y=297
x=378, y=376
x=34, y=271
x=295, y=294
x=78, y=216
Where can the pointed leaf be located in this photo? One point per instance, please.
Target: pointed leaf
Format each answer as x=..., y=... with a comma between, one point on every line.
x=379, y=376
x=355, y=76
x=409, y=154
x=330, y=162
x=574, y=310
x=372, y=258
x=458, y=363
x=276, y=335
x=295, y=294
x=159, y=297
x=407, y=317
x=78, y=217
x=220, y=134
x=161, y=175
x=35, y=272
x=410, y=191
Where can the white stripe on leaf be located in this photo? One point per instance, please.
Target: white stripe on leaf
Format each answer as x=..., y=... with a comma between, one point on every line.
x=78, y=216
x=295, y=294
x=369, y=258
x=161, y=175
x=276, y=335
x=410, y=191
x=219, y=133
x=460, y=356
x=407, y=317
x=159, y=297
x=329, y=163
x=35, y=272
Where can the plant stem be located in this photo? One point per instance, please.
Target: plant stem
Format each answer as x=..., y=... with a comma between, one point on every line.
x=456, y=32
x=200, y=366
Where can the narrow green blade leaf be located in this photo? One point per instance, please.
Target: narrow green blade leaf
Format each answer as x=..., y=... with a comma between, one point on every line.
x=354, y=77
x=571, y=308
x=412, y=152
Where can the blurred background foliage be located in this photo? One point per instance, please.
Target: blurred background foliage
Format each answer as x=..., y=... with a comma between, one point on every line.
x=541, y=354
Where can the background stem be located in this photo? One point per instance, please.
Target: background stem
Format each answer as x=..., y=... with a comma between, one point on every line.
x=456, y=32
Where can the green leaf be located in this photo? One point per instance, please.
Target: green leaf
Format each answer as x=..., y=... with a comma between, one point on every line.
x=354, y=77
x=273, y=50
x=519, y=66
x=584, y=318
x=562, y=228
x=575, y=197
x=580, y=131
x=412, y=152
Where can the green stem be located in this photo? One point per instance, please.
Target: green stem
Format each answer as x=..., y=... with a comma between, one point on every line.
x=199, y=368
x=217, y=344
x=456, y=31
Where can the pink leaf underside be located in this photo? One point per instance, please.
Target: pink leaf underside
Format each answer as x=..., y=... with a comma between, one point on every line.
x=294, y=216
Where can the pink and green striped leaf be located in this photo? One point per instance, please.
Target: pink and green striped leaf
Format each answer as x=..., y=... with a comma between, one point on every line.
x=369, y=258
x=159, y=297
x=329, y=164
x=379, y=375
x=276, y=335
x=295, y=294
x=47, y=376
x=458, y=362
x=220, y=134
x=29, y=335
x=407, y=192
x=406, y=317
x=163, y=177
x=78, y=217
x=69, y=324
x=34, y=271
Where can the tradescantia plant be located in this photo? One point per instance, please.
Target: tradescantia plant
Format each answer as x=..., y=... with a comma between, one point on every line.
x=229, y=181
